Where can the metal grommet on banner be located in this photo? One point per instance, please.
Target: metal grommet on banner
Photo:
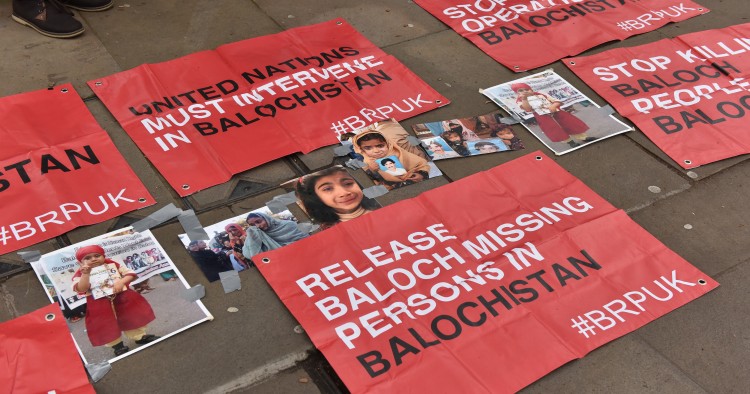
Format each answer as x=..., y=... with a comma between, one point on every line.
x=339, y=23
x=265, y=260
x=572, y=63
x=688, y=162
x=185, y=186
x=538, y=157
x=98, y=83
x=49, y=317
x=438, y=101
x=702, y=282
x=141, y=200
x=64, y=90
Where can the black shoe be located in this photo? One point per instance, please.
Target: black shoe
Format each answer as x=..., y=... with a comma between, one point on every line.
x=48, y=17
x=589, y=139
x=573, y=144
x=120, y=349
x=148, y=338
x=89, y=5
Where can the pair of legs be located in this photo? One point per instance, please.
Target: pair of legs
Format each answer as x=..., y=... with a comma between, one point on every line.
x=52, y=18
x=138, y=335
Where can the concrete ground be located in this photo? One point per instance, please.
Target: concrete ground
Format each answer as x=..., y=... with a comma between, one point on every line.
x=702, y=347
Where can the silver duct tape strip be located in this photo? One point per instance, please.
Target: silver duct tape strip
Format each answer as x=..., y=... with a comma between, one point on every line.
x=230, y=280
x=164, y=214
x=375, y=191
x=192, y=226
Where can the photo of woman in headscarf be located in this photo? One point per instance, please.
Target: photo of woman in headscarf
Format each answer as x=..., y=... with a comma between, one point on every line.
x=265, y=233
x=332, y=196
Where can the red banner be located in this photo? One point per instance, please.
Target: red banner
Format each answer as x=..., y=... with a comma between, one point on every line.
x=524, y=34
x=37, y=355
x=58, y=169
x=482, y=285
x=206, y=116
x=689, y=95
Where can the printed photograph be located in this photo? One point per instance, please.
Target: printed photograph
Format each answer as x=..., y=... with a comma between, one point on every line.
x=236, y=240
x=388, y=156
x=120, y=293
x=332, y=195
x=559, y=115
x=459, y=137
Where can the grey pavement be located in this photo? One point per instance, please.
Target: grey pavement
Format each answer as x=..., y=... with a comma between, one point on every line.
x=702, y=215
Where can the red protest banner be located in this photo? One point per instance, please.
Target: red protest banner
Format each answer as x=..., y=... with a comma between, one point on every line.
x=524, y=34
x=58, y=169
x=482, y=285
x=206, y=116
x=689, y=95
x=38, y=355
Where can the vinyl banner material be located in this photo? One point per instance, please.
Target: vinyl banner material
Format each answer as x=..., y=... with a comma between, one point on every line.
x=523, y=34
x=689, y=95
x=37, y=355
x=58, y=169
x=480, y=286
x=206, y=116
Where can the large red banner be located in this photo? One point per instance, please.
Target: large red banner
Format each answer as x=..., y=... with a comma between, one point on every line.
x=58, y=169
x=523, y=34
x=483, y=285
x=37, y=355
x=206, y=116
x=689, y=95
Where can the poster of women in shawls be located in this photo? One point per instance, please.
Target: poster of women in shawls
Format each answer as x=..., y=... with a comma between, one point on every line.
x=557, y=113
x=388, y=156
x=236, y=240
x=118, y=319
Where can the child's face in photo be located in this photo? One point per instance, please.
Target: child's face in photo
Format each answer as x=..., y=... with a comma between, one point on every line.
x=93, y=259
x=454, y=137
x=390, y=165
x=488, y=149
x=340, y=192
x=524, y=92
x=374, y=149
x=437, y=148
x=506, y=134
x=258, y=222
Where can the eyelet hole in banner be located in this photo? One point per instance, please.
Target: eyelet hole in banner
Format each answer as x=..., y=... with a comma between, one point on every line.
x=572, y=63
x=141, y=200
x=688, y=162
x=538, y=157
x=186, y=186
x=438, y=101
x=702, y=282
x=516, y=67
x=338, y=23
x=98, y=83
x=64, y=90
x=49, y=317
x=265, y=260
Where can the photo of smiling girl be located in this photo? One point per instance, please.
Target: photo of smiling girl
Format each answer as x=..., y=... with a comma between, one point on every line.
x=332, y=196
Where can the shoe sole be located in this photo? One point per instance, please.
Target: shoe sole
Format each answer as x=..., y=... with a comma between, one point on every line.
x=92, y=9
x=45, y=32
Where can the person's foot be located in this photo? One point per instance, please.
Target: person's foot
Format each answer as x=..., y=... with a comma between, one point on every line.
x=120, y=349
x=148, y=338
x=48, y=17
x=89, y=5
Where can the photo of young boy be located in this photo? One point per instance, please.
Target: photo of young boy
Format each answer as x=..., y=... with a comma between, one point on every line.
x=389, y=140
x=554, y=111
x=117, y=319
x=459, y=137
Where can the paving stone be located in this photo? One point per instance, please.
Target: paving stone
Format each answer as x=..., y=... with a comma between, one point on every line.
x=715, y=210
x=383, y=22
x=173, y=28
x=625, y=363
x=32, y=61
